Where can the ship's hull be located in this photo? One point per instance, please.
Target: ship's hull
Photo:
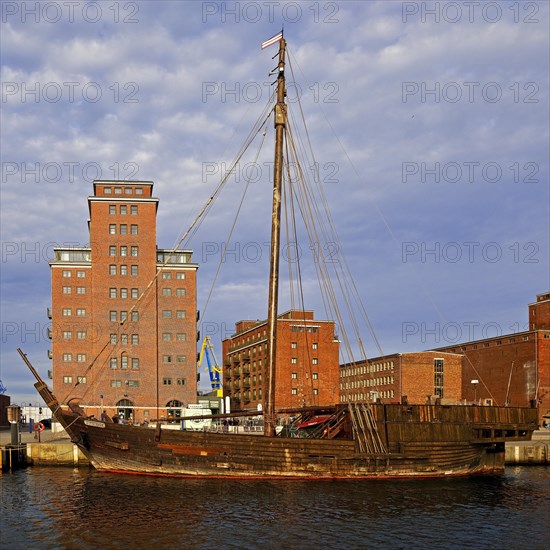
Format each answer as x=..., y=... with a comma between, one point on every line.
x=417, y=441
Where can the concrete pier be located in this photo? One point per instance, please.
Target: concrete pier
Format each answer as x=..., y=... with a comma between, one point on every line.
x=48, y=449
x=536, y=451
x=55, y=454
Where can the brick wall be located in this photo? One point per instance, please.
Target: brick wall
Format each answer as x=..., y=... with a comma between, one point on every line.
x=306, y=362
x=391, y=377
x=139, y=328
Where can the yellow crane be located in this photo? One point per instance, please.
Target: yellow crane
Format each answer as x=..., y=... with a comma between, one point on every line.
x=207, y=349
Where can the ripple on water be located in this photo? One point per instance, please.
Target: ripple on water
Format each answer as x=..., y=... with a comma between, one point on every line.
x=66, y=508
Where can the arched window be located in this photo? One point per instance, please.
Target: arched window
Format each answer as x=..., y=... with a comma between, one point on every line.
x=173, y=409
x=125, y=409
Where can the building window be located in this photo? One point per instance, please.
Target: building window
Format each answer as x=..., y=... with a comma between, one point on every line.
x=112, y=293
x=123, y=315
x=67, y=335
x=124, y=362
x=124, y=339
x=180, y=381
x=124, y=270
x=81, y=312
x=81, y=274
x=112, y=316
x=66, y=273
x=112, y=229
x=167, y=336
x=294, y=345
x=112, y=209
x=127, y=190
x=139, y=191
x=315, y=376
x=107, y=190
x=166, y=313
x=134, y=229
x=81, y=379
x=438, y=377
x=67, y=290
x=118, y=191
x=315, y=361
x=116, y=383
x=166, y=275
x=166, y=358
x=181, y=337
x=315, y=345
x=180, y=275
x=294, y=375
x=180, y=291
x=134, y=251
x=67, y=380
x=315, y=391
x=167, y=381
x=134, y=270
x=113, y=339
x=67, y=357
x=124, y=293
x=135, y=316
x=294, y=391
x=181, y=359
x=167, y=292
x=133, y=383
x=123, y=209
x=112, y=250
x=114, y=362
x=81, y=357
x=180, y=314
x=123, y=229
x=81, y=290
x=135, y=363
x=134, y=293
x=133, y=210
x=112, y=269
x=124, y=251
x=293, y=360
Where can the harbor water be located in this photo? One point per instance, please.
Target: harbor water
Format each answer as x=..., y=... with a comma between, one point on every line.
x=47, y=507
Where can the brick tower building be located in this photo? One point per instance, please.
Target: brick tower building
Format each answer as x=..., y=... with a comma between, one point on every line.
x=124, y=312
x=307, y=362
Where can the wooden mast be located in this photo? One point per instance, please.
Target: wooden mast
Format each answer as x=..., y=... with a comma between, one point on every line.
x=280, y=121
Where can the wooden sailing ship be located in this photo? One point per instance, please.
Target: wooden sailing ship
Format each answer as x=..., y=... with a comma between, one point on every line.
x=352, y=440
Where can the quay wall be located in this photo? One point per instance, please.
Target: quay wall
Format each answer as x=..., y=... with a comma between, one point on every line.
x=55, y=454
x=531, y=453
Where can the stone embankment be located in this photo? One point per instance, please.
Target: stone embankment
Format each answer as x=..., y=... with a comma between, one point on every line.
x=536, y=451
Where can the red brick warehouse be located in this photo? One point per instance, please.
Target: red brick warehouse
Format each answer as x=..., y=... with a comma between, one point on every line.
x=306, y=356
x=124, y=312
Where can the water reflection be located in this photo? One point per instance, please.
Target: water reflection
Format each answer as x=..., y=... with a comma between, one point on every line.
x=65, y=508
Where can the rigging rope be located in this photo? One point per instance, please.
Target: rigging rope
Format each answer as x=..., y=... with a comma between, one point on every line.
x=191, y=231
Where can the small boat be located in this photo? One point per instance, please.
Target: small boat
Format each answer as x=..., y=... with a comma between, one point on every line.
x=356, y=440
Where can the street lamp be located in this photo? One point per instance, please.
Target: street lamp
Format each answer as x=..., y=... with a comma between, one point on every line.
x=474, y=384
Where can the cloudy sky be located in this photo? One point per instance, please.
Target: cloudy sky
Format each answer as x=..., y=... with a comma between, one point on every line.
x=429, y=122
